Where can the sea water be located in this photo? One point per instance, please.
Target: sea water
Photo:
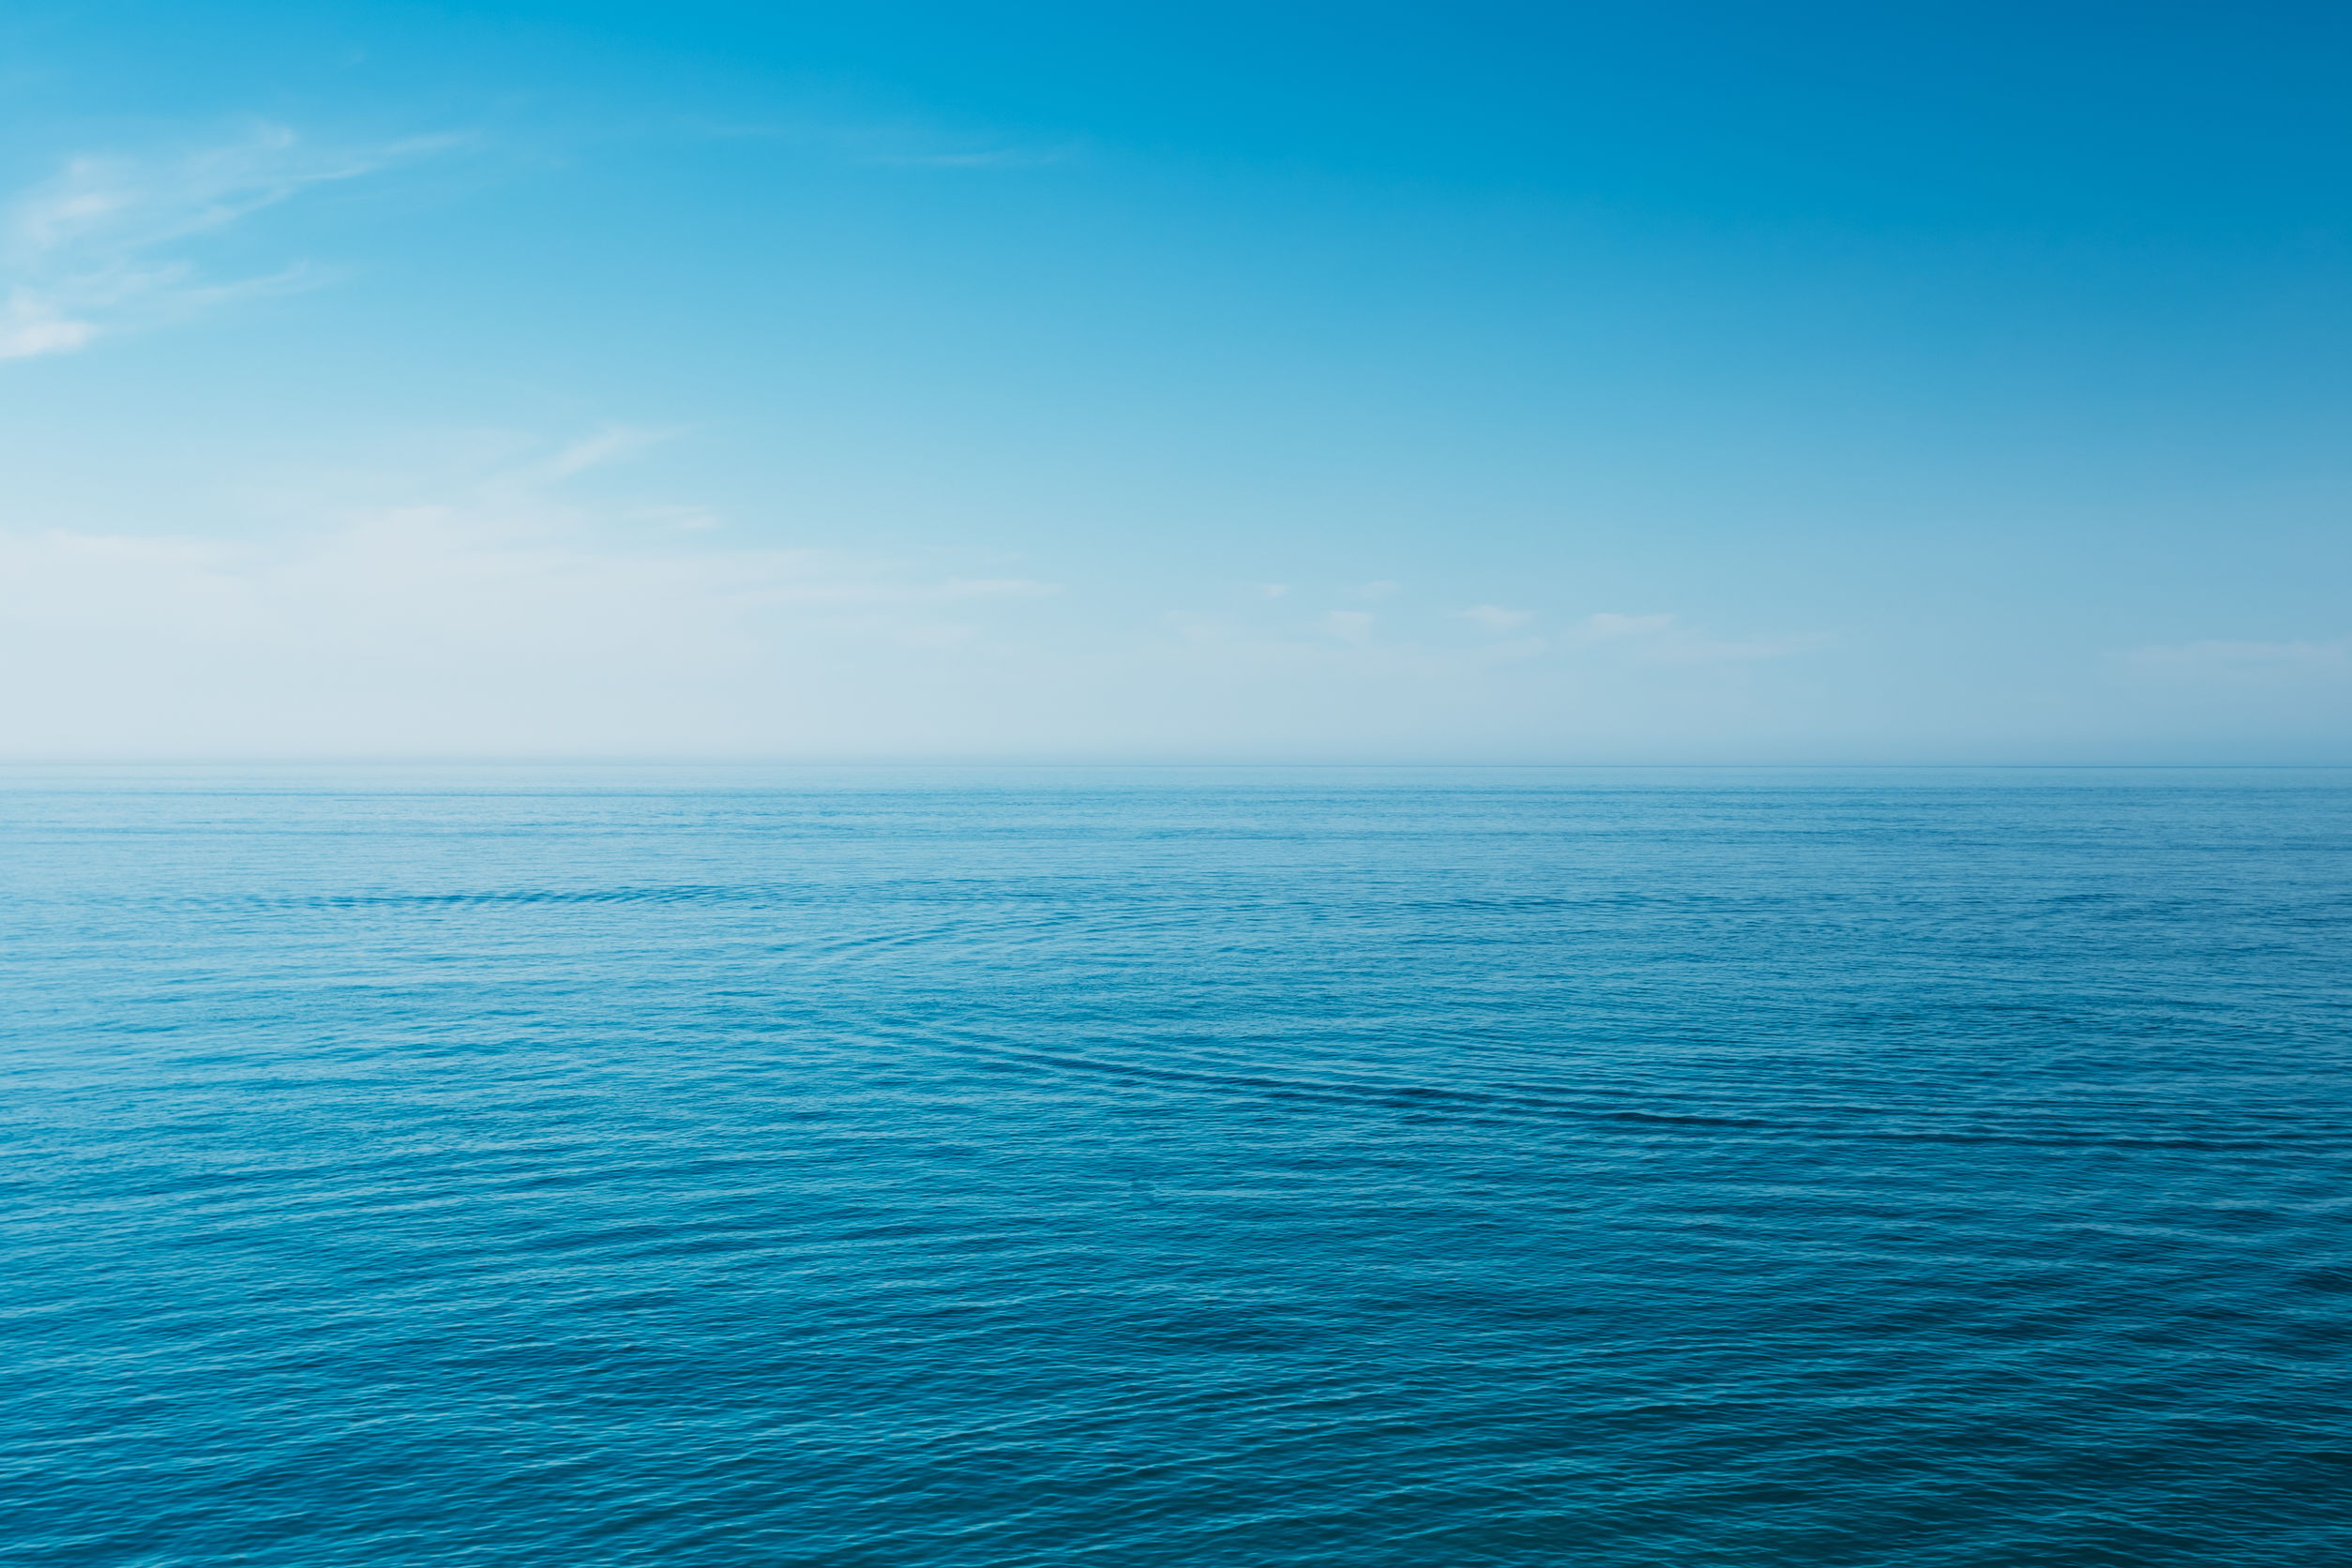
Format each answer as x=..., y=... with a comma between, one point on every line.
x=739, y=1167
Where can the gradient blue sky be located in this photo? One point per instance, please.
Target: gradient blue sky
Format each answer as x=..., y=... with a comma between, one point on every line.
x=1479, y=383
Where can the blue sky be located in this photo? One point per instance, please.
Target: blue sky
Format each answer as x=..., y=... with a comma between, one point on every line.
x=1466, y=383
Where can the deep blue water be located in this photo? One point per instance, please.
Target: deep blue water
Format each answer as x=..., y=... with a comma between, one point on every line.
x=726, y=1168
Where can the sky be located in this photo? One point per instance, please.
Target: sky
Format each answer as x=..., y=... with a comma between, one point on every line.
x=1625, y=384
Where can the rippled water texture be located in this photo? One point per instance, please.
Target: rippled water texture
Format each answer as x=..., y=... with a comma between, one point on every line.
x=1046, y=1167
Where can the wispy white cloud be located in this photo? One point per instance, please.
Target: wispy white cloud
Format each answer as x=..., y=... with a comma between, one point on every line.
x=34, y=325
x=90, y=249
x=485, y=594
x=523, y=604
x=611, y=444
x=505, y=542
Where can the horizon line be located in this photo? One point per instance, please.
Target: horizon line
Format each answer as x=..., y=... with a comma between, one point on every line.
x=610, y=760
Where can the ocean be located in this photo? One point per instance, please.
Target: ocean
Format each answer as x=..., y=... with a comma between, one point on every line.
x=602, y=1165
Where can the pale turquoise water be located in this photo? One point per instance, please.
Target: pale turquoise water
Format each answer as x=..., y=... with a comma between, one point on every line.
x=1028, y=1167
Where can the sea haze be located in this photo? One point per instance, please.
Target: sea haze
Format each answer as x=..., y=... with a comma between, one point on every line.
x=1038, y=1166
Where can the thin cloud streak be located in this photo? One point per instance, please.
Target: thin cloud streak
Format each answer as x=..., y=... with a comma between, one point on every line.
x=83, y=253
x=509, y=611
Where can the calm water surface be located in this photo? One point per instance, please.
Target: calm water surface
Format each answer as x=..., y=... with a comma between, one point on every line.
x=727, y=1168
